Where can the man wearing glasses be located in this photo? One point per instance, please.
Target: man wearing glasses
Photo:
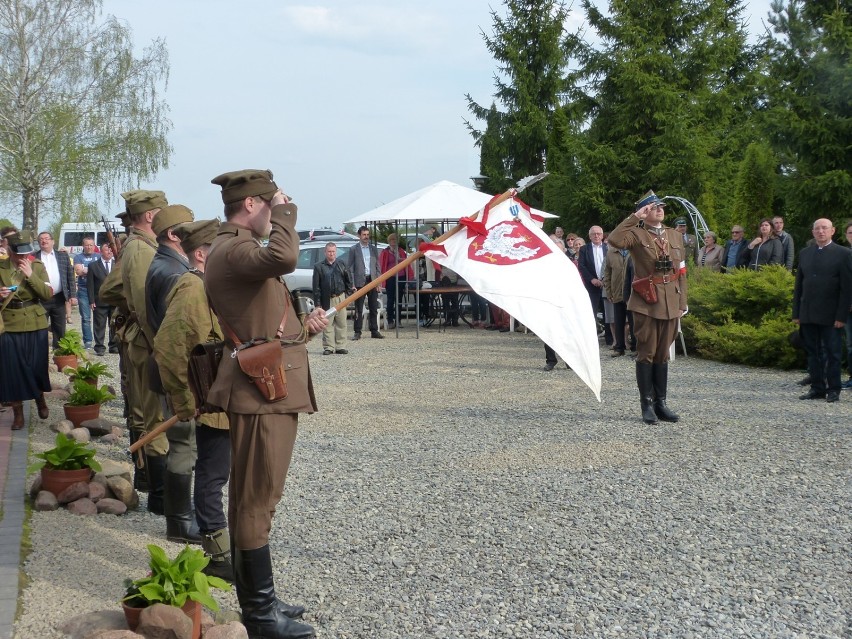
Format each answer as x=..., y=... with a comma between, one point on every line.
x=734, y=255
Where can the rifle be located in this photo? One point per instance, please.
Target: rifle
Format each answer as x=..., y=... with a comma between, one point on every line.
x=112, y=238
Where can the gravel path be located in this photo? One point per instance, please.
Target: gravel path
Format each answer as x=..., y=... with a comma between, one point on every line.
x=449, y=487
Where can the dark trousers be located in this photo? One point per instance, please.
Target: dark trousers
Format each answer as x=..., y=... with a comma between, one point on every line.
x=211, y=474
x=596, y=298
x=478, y=307
x=372, y=305
x=549, y=355
x=823, y=344
x=55, y=308
x=100, y=320
x=394, y=288
x=623, y=318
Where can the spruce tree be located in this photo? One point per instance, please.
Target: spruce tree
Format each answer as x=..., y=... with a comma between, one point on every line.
x=755, y=189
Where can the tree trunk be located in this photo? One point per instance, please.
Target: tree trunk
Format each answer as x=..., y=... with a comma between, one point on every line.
x=31, y=205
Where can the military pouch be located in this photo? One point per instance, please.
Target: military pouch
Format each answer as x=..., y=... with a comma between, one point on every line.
x=263, y=362
x=203, y=365
x=646, y=288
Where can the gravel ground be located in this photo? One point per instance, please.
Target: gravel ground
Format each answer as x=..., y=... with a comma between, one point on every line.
x=449, y=487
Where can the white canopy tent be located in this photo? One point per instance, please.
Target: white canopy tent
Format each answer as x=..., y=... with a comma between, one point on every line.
x=443, y=200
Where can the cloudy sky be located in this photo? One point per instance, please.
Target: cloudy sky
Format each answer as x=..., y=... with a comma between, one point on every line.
x=351, y=105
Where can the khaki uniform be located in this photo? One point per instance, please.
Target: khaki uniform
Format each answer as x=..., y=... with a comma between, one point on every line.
x=244, y=282
x=655, y=324
x=32, y=317
x=145, y=411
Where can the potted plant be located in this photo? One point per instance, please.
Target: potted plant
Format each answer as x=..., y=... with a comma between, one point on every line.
x=176, y=582
x=85, y=401
x=68, y=462
x=88, y=371
x=68, y=349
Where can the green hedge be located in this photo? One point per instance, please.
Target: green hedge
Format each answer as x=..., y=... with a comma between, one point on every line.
x=742, y=317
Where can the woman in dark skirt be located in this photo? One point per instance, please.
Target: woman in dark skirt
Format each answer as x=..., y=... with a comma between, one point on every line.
x=23, y=344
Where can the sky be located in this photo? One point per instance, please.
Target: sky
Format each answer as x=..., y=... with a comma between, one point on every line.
x=351, y=105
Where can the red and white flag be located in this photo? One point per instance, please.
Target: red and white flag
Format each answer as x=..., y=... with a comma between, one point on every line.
x=505, y=257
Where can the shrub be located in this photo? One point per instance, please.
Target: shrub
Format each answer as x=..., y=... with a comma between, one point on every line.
x=743, y=317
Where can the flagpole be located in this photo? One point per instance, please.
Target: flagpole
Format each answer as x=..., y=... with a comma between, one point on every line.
x=361, y=292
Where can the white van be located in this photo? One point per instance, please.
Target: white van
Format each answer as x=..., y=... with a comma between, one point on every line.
x=71, y=236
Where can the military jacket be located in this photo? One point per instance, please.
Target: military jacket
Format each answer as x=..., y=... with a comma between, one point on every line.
x=245, y=284
x=136, y=258
x=188, y=322
x=30, y=291
x=671, y=295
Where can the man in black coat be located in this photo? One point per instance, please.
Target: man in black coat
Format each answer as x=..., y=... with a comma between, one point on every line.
x=63, y=283
x=97, y=273
x=821, y=303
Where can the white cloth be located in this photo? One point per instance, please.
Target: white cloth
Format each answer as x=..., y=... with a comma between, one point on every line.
x=52, y=268
x=597, y=252
x=365, y=253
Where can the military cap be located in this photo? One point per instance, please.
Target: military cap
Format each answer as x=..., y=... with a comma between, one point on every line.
x=21, y=242
x=170, y=216
x=649, y=198
x=680, y=221
x=238, y=185
x=140, y=201
x=195, y=234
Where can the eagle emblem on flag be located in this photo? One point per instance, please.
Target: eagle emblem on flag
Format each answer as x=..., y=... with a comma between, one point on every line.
x=508, y=242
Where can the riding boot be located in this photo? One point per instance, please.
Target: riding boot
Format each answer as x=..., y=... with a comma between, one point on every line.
x=156, y=466
x=644, y=381
x=262, y=614
x=43, y=411
x=18, y=415
x=661, y=381
x=140, y=475
x=177, y=505
x=217, y=546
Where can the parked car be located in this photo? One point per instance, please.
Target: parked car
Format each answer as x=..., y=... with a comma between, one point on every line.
x=310, y=252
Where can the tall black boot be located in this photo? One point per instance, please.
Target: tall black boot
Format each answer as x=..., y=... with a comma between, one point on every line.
x=644, y=380
x=140, y=475
x=661, y=382
x=180, y=517
x=262, y=614
x=156, y=466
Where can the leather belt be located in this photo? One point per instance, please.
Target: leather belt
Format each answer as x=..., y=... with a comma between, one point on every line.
x=665, y=279
x=18, y=304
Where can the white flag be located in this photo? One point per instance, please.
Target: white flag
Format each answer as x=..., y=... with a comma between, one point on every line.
x=506, y=258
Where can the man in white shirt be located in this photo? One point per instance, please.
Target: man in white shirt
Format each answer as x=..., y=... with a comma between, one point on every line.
x=60, y=272
x=591, y=265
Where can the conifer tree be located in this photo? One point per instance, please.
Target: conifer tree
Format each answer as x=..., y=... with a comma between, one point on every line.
x=755, y=189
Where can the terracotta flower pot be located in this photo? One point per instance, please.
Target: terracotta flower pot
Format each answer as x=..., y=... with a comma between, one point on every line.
x=191, y=609
x=55, y=481
x=79, y=414
x=65, y=361
x=131, y=615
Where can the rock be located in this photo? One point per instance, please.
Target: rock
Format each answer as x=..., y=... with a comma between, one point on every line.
x=84, y=506
x=63, y=426
x=82, y=626
x=123, y=491
x=108, y=439
x=164, y=622
x=73, y=492
x=111, y=506
x=97, y=491
x=111, y=468
x=231, y=630
x=225, y=615
x=111, y=389
x=113, y=634
x=35, y=488
x=81, y=435
x=118, y=431
x=45, y=501
x=98, y=426
x=59, y=394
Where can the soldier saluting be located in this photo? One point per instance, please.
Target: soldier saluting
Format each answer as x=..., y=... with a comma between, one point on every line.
x=658, y=299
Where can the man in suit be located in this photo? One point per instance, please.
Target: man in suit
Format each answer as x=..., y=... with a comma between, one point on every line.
x=659, y=257
x=735, y=253
x=241, y=274
x=60, y=272
x=786, y=241
x=96, y=274
x=821, y=303
x=590, y=262
x=362, y=260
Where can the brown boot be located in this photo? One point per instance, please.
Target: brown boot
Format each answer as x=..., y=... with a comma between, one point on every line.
x=43, y=411
x=18, y=411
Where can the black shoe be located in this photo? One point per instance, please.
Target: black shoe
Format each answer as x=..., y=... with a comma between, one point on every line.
x=377, y=335
x=263, y=614
x=391, y=326
x=505, y=329
x=356, y=336
x=804, y=381
x=832, y=396
x=812, y=394
x=342, y=351
x=181, y=526
x=549, y=366
x=113, y=351
x=617, y=354
x=328, y=351
x=100, y=352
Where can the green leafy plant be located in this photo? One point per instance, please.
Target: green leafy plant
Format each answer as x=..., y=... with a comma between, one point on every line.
x=70, y=344
x=67, y=454
x=84, y=394
x=88, y=371
x=174, y=581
